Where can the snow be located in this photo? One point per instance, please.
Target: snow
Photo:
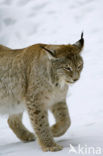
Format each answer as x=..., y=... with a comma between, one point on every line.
x=23, y=23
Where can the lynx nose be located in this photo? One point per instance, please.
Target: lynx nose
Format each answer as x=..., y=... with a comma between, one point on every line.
x=75, y=80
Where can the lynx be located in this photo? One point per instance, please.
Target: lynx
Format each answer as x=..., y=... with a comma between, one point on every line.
x=36, y=79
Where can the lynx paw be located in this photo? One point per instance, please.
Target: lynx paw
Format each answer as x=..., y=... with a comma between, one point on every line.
x=26, y=137
x=57, y=130
x=52, y=148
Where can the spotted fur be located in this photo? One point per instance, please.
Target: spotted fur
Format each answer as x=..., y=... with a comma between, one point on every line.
x=36, y=79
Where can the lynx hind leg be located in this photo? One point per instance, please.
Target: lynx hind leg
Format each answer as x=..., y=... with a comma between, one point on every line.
x=61, y=114
x=15, y=123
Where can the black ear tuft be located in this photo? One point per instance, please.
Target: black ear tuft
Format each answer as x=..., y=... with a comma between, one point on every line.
x=82, y=35
x=50, y=52
x=82, y=40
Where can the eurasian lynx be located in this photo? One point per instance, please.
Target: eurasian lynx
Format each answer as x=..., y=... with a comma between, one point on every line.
x=36, y=79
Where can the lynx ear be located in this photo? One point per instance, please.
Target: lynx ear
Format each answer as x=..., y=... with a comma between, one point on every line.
x=50, y=53
x=80, y=43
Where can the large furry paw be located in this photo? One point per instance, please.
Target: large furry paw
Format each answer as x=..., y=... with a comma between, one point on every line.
x=53, y=148
x=27, y=136
x=58, y=129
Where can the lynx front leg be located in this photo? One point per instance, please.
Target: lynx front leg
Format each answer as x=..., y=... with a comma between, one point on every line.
x=39, y=119
x=61, y=115
x=15, y=123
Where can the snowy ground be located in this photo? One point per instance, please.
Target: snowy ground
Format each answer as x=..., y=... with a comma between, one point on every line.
x=26, y=22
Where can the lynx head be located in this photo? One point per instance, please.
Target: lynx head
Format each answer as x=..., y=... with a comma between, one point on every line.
x=66, y=60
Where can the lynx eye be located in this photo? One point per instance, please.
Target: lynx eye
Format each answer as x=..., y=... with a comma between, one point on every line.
x=79, y=66
x=68, y=68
